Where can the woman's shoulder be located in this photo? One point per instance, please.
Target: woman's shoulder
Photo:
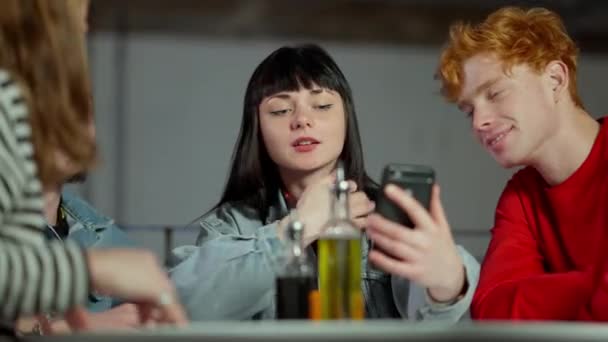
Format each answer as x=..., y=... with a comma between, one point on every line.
x=230, y=217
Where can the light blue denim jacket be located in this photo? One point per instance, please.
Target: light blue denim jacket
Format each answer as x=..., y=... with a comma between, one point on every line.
x=229, y=273
x=93, y=230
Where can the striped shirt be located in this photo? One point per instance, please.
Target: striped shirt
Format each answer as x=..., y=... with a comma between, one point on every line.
x=35, y=276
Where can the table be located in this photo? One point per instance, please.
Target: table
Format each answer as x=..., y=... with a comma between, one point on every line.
x=393, y=330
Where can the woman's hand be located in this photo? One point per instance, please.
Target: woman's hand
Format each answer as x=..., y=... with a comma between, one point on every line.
x=314, y=208
x=134, y=276
x=122, y=317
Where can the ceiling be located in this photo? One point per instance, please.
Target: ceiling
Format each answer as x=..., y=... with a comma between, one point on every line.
x=367, y=21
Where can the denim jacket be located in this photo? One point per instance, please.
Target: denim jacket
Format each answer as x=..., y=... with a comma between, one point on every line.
x=92, y=230
x=230, y=272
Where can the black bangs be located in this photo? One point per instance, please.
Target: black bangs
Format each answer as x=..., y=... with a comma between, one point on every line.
x=293, y=68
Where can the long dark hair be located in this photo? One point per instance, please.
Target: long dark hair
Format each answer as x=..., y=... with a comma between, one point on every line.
x=254, y=178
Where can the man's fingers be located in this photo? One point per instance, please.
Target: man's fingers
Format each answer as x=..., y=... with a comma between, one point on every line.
x=417, y=213
x=390, y=229
x=394, y=266
x=393, y=247
x=436, y=207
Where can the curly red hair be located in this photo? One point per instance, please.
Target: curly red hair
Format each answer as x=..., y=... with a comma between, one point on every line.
x=534, y=37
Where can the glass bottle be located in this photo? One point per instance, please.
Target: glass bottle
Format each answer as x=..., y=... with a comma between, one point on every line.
x=295, y=282
x=340, y=259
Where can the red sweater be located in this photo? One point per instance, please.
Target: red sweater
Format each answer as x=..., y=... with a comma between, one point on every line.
x=546, y=260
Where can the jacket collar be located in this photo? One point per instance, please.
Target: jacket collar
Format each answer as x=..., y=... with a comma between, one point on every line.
x=278, y=210
x=82, y=212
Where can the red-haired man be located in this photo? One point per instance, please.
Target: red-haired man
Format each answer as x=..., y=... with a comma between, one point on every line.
x=514, y=75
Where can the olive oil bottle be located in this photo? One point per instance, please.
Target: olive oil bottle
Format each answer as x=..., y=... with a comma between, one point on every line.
x=340, y=259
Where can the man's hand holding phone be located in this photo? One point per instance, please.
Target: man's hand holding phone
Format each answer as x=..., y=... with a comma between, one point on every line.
x=423, y=252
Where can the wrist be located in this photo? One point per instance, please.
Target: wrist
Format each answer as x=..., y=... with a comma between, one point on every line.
x=452, y=291
x=307, y=237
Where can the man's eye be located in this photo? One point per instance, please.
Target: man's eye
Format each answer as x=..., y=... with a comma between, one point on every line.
x=493, y=94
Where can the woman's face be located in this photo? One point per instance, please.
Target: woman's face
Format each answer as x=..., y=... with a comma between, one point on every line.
x=303, y=130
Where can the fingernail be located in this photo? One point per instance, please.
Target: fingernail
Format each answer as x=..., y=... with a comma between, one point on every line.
x=394, y=190
x=391, y=189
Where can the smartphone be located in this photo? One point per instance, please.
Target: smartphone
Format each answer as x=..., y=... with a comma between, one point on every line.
x=416, y=179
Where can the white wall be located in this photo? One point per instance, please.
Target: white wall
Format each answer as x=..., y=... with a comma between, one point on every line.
x=166, y=149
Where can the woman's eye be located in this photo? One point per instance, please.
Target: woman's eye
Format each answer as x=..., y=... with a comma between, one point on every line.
x=325, y=107
x=279, y=112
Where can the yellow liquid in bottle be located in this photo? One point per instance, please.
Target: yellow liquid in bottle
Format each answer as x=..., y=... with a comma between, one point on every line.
x=340, y=278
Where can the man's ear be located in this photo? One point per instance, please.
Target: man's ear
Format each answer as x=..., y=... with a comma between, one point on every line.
x=558, y=78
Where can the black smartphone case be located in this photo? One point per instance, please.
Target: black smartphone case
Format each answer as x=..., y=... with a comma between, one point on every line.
x=418, y=179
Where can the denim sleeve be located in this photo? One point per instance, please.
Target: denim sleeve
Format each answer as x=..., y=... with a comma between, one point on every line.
x=114, y=237
x=229, y=274
x=420, y=307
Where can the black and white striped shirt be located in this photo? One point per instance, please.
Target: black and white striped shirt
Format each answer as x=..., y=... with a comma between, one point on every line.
x=35, y=276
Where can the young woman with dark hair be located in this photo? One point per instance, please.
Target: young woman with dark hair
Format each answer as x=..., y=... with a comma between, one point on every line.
x=298, y=121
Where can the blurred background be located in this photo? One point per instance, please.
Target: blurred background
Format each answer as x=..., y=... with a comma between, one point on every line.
x=169, y=79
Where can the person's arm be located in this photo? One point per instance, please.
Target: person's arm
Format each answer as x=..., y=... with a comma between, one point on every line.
x=421, y=307
x=34, y=277
x=37, y=279
x=514, y=283
x=51, y=278
x=230, y=273
x=111, y=237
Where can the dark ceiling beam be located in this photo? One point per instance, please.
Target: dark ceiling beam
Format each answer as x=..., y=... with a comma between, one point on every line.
x=359, y=21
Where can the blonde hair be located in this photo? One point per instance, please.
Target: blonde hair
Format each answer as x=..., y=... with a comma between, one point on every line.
x=516, y=36
x=42, y=45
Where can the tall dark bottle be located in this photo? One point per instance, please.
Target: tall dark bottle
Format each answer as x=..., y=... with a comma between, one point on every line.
x=295, y=282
